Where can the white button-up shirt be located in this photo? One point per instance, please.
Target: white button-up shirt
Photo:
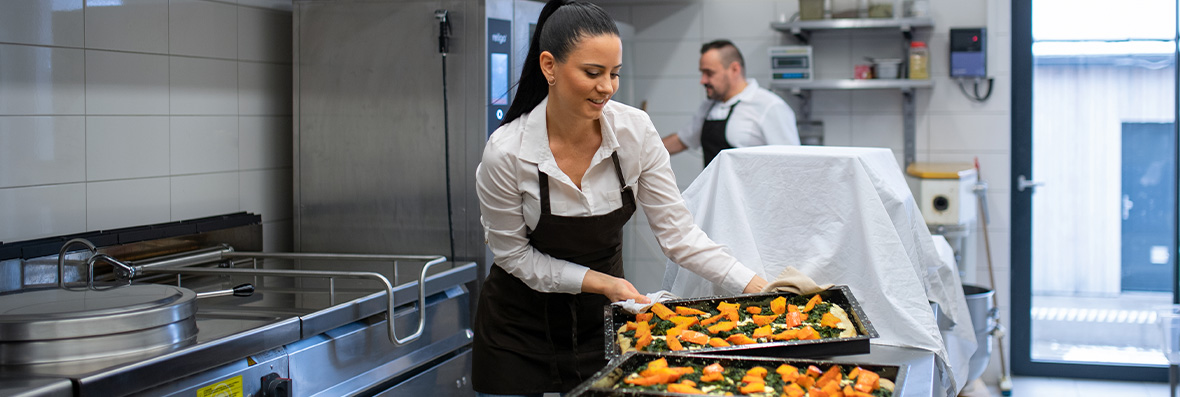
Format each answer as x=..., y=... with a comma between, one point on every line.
x=762, y=118
x=509, y=199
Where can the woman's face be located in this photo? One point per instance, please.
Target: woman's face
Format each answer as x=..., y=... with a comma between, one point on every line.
x=588, y=77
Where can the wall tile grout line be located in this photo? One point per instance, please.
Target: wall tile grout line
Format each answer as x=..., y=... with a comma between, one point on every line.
x=84, y=48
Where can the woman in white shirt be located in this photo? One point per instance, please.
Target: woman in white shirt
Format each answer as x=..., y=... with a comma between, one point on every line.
x=558, y=180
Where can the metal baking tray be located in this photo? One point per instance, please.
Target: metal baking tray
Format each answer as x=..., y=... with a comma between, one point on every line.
x=603, y=382
x=617, y=317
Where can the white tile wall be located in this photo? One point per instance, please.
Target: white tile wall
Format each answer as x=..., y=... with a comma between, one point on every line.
x=32, y=212
x=126, y=203
x=123, y=113
x=42, y=22
x=675, y=94
x=264, y=142
x=202, y=144
x=123, y=147
x=135, y=25
x=264, y=89
x=41, y=80
x=665, y=59
x=203, y=28
x=734, y=19
x=203, y=86
x=676, y=21
x=196, y=196
x=126, y=84
x=42, y=150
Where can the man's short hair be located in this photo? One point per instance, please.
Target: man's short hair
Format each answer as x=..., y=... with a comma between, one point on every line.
x=729, y=53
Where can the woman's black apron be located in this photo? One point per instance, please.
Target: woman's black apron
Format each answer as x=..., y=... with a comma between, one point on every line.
x=713, y=135
x=531, y=342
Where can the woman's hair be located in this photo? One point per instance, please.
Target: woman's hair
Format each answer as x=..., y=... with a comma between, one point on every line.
x=559, y=28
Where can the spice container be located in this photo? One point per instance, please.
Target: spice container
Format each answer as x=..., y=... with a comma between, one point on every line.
x=919, y=61
x=810, y=10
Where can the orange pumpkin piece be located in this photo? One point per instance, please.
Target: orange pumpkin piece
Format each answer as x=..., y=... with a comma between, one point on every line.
x=789, y=334
x=683, y=321
x=794, y=319
x=694, y=337
x=740, y=339
x=642, y=341
x=760, y=372
x=805, y=382
x=688, y=311
x=814, y=371
x=813, y=392
x=754, y=310
x=853, y=373
x=829, y=320
x=833, y=374
x=710, y=320
x=763, y=320
x=683, y=388
x=867, y=381
x=811, y=303
x=653, y=367
x=631, y=325
x=717, y=342
x=849, y=391
x=643, y=317
x=751, y=388
x=713, y=373
x=675, y=331
x=732, y=316
x=793, y=390
x=642, y=328
x=722, y=327
x=833, y=389
x=808, y=333
x=728, y=307
x=792, y=308
x=662, y=311
x=778, y=305
x=788, y=372
x=762, y=332
x=673, y=343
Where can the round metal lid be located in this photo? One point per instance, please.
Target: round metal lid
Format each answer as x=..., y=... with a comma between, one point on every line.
x=58, y=313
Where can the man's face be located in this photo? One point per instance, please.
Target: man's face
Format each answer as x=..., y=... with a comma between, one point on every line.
x=715, y=77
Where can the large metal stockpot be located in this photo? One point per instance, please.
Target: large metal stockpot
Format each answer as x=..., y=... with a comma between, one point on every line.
x=56, y=325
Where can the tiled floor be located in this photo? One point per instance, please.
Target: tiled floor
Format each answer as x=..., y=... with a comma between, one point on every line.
x=1063, y=387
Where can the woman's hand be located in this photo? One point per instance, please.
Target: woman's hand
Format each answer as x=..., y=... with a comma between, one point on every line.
x=615, y=289
x=755, y=286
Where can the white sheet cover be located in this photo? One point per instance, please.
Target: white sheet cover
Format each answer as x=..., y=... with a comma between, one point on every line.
x=840, y=215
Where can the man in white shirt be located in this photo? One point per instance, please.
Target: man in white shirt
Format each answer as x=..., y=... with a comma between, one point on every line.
x=738, y=112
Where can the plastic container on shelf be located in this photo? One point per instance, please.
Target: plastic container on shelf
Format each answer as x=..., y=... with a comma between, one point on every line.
x=919, y=61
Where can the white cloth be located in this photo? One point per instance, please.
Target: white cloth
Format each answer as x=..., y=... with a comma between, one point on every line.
x=509, y=199
x=762, y=118
x=839, y=215
x=635, y=308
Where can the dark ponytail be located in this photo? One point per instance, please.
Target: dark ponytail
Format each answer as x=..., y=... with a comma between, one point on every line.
x=561, y=25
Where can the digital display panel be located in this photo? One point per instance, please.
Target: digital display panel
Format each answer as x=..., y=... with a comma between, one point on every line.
x=499, y=77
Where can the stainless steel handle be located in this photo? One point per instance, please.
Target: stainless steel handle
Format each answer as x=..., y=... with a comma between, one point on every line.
x=122, y=270
x=421, y=306
x=241, y=290
x=1025, y=183
x=61, y=258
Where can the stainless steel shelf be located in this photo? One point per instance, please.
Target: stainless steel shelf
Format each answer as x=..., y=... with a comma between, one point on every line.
x=802, y=29
x=851, y=84
x=854, y=23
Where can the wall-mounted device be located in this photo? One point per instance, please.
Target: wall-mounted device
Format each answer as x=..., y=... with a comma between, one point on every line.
x=791, y=62
x=968, y=52
x=499, y=48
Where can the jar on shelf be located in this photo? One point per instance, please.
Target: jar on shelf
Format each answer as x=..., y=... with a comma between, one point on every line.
x=919, y=61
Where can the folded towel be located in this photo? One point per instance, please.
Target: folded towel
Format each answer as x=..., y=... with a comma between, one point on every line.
x=793, y=281
x=635, y=308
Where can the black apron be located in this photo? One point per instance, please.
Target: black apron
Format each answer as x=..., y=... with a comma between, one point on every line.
x=713, y=135
x=533, y=342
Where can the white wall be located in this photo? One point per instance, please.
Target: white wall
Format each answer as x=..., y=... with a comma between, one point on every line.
x=950, y=128
x=118, y=113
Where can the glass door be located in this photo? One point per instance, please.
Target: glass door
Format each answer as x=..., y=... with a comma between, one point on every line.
x=1094, y=206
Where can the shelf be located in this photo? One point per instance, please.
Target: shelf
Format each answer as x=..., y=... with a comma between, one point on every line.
x=851, y=84
x=801, y=28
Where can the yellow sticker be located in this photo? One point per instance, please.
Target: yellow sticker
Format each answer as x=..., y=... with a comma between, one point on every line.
x=231, y=387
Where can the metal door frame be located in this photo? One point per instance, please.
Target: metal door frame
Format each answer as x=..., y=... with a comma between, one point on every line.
x=1021, y=205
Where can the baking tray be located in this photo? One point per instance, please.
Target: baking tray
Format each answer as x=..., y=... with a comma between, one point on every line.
x=616, y=316
x=602, y=382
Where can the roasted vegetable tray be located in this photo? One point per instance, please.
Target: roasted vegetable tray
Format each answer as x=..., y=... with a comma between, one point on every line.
x=611, y=380
x=617, y=318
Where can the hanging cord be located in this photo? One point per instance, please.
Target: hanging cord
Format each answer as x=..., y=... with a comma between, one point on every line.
x=974, y=94
x=444, y=35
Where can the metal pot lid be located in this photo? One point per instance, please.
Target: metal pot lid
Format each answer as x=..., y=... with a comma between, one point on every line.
x=58, y=313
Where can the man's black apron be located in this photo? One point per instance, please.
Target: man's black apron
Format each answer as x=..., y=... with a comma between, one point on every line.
x=531, y=342
x=713, y=135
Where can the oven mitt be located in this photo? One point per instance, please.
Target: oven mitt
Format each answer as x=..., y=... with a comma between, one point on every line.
x=635, y=308
x=794, y=281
